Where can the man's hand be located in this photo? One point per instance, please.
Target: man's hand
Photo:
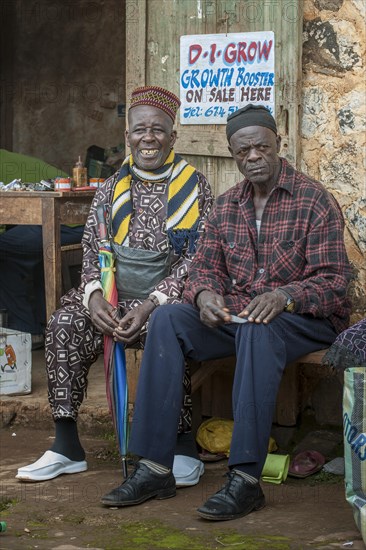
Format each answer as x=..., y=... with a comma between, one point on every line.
x=129, y=327
x=212, y=309
x=103, y=315
x=264, y=308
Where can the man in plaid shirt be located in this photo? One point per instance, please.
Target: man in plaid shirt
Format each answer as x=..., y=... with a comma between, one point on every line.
x=273, y=255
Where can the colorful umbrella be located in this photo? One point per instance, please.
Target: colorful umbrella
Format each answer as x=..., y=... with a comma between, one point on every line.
x=114, y=352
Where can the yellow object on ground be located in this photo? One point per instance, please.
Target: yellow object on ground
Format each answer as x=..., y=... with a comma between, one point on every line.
x=214, y=435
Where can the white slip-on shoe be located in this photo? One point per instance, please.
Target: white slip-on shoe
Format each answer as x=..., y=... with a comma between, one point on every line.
x=49, y=466
x=187, y=470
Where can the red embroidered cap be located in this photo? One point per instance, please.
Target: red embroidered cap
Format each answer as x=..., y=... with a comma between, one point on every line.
x=156, y=97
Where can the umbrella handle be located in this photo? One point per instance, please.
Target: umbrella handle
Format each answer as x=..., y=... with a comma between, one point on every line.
x=102, y=226
x=124, y=467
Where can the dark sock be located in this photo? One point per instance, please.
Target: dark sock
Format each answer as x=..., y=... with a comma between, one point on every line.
x=67, y=441
x=186, y=445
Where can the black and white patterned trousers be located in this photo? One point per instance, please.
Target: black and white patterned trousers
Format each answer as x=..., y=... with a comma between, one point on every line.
x=72, y=345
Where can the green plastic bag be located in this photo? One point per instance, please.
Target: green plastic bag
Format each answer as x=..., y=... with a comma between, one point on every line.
x=354, y=423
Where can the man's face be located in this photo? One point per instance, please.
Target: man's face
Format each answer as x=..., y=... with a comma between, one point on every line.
x=255, y=150
x=150, y=136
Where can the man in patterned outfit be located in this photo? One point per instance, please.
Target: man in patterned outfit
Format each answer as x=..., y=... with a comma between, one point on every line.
x=154, y=206
x=273, y=254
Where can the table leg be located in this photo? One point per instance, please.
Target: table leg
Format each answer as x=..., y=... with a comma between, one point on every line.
x=51, y=253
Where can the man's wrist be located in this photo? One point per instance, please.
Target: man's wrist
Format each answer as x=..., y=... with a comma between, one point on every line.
x=154, y=300
x=290, y=303
x=91, y=287
x=198, y=297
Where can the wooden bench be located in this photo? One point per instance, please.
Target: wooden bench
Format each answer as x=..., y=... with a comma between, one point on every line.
x=288, y=399
x=212, y=387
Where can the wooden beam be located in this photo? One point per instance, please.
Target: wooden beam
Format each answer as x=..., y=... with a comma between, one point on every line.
x=136, y=47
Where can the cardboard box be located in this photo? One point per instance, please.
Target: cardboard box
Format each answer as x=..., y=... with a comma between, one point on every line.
x=15, y=362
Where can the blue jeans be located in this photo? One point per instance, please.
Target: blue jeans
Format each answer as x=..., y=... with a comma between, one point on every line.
x=262, y=352
x=22, y=286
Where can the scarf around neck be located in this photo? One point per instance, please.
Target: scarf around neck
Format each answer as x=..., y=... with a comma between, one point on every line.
x=182, y=209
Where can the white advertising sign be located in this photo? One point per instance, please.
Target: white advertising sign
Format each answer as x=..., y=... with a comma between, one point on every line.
x=219, y=73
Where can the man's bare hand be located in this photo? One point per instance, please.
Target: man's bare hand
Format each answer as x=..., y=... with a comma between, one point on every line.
x=212, y=309
x=264, y=308
x=103, y=315
x=129, y=328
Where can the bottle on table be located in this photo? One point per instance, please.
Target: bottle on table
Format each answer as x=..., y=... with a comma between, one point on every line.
x=80, y=174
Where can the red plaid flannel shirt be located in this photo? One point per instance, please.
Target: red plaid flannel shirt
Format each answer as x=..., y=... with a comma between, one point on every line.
x=300, y=248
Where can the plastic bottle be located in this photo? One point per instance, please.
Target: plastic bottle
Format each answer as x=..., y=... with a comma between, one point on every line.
x=80, y=174
x=2, y=526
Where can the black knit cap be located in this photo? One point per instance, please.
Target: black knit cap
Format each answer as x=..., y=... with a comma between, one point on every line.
x=250, y=115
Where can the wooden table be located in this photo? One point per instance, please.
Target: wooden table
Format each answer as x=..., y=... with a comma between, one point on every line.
x=49, y=209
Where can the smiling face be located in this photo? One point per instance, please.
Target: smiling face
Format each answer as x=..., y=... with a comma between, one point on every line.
x=255, y=150
x=150, y=136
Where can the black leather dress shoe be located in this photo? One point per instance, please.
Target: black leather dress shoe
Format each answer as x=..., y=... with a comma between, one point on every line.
x=141, y=485
x=236, y=499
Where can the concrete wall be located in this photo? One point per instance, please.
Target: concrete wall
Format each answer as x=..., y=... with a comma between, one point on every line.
x=68, y=77
x=334, y=116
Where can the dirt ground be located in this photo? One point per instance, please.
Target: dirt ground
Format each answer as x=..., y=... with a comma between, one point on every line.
x=66, y=514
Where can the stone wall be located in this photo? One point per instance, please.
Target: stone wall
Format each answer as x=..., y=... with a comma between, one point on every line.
x=334, y=117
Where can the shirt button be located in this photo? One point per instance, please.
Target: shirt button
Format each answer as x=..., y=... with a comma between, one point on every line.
x=261, y=270
x=253, y=294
